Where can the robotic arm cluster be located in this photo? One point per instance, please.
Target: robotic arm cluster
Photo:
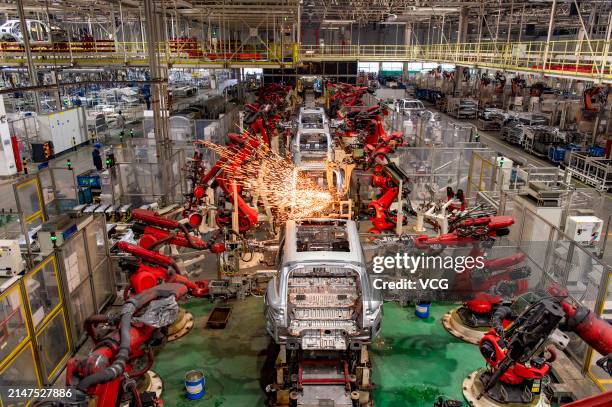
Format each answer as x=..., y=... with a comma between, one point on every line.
x=344, y=94
x=152, y=267
x=261, y=121
x=499, y=279
x=520, y=354
x=387, y=177
x=109, y=372
x=242, y=147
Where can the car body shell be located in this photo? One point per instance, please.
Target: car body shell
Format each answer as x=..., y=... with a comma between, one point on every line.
x=292, y=262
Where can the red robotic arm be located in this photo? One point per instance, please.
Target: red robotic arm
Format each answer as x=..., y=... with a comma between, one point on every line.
x=108, y=372
x=155, y=230
x=596, y=332
x=513, y=352
x=386, y=177
x=161, y=268
x=243, y=146
x=468, y=231
x=591, y=93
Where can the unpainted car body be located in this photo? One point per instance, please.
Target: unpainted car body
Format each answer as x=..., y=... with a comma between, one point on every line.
x=40, y=32
x=321, y=299
x=312, y=144
x=312, y=148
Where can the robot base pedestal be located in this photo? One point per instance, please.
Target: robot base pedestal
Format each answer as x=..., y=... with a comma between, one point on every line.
x=150, y=382
x=473, y=388
x=182, y=325
x=454, y=325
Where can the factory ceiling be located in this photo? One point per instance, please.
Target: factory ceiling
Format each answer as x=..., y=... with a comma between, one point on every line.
x=277, y=13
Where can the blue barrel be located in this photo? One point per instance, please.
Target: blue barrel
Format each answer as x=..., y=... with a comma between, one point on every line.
x=421, y=309
x=195, y=384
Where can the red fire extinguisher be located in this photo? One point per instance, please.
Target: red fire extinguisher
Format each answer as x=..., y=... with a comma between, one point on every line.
x=16, y=154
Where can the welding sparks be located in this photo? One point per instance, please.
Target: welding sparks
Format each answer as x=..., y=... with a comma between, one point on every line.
x=274, y=180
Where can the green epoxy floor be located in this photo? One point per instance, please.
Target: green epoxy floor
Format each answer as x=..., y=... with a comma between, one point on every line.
x=414, y=360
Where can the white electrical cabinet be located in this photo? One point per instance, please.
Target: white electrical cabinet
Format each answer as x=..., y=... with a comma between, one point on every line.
x=11, y=262
x=65, y=128
x=8, y=166
x=532, y=230
x=584, y=229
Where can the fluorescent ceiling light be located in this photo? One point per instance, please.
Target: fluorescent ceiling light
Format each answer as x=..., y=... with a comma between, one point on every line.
x=338, y=21
x=434, y=10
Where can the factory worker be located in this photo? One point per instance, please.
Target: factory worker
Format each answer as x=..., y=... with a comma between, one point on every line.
x=120, y=121
x=97, y=158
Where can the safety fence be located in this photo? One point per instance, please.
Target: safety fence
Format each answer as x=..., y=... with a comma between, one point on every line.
x=84, y=264
x=59, y=188
x=25, y=131
x=142, y=182
x=35, y=331
x=67, y=278
x=489, y=181
x=42, y=312
x=430, y=129
x=137, y=176
x=488, y=172
x=432, y=169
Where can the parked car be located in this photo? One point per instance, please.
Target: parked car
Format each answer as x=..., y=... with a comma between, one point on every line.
x=410, y=106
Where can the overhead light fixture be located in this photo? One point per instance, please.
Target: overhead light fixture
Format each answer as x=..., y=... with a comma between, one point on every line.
x=338, y=22
x=434, y=10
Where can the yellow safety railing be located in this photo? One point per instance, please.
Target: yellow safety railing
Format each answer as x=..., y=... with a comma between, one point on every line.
x=581, y=59
x=179, y=51
x=573, y=58
x=596, y=373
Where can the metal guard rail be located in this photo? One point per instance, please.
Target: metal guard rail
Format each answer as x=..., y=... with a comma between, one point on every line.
x=178, y=51
x=572, y=58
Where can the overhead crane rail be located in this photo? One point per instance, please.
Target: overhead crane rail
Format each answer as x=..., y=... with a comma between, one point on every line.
x=579, y=59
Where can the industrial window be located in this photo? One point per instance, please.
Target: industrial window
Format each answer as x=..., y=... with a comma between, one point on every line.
x=415, y=66
x=392, y=66
x=428, y=66
x=367, y=67
x=253, y=71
